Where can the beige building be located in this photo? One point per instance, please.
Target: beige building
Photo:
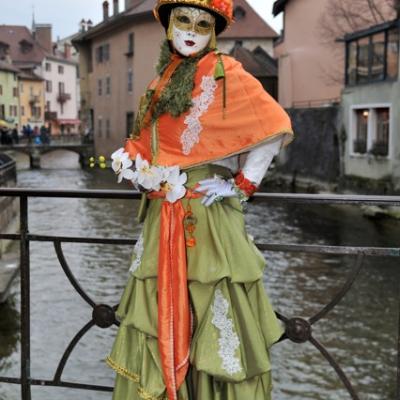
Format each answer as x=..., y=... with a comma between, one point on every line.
x=117, y=60
x=31, y=97
x=310, y=69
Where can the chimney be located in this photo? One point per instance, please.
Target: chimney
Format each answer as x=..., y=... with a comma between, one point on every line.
x=116, y=7
x=89, y=24
x=105, y=10
x=82, y=26
x=43, y=36
x=67, y=51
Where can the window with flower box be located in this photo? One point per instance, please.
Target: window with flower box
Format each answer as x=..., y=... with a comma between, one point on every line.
x=371, y=131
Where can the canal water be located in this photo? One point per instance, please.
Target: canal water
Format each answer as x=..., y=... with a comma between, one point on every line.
x=360, y=332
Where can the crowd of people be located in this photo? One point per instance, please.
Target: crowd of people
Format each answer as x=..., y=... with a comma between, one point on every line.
x=31, y=135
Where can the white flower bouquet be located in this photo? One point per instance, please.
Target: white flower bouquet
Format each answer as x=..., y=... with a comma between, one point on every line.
x=146, y=177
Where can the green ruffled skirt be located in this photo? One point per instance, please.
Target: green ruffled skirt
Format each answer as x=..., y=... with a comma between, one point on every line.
x=234, y=323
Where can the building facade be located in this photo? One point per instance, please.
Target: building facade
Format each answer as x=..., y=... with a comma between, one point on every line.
x=117, y=61
x=31, y=97
x=371, y=104
x=33, y=53
x=9, y=97
x=310, y=66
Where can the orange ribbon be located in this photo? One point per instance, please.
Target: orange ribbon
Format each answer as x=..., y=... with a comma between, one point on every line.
x=174, y=315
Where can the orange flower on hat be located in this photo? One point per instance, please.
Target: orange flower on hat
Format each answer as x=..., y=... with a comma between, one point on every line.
x=225, y=6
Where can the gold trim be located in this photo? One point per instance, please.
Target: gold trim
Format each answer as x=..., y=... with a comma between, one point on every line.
x=122, y=371
x=243, y=150
x=154, y=142
x=143, y=394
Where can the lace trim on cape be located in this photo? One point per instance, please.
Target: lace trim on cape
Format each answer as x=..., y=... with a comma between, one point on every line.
x=191, y=135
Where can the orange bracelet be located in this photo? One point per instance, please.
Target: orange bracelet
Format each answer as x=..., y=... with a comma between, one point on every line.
x=246, y=186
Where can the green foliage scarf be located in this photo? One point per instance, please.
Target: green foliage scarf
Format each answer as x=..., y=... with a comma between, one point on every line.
x=176, y=98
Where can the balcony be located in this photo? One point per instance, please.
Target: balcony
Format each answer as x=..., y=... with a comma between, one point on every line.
x=34, y=99
x=63, y=97
x=50, y=115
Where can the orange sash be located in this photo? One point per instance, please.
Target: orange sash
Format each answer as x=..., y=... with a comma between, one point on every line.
x=174, y=314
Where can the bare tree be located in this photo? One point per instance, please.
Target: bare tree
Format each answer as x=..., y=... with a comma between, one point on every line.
x=346, y=16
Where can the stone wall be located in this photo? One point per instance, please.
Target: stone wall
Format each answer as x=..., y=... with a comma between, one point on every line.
x=314, y=153
x=8, y=205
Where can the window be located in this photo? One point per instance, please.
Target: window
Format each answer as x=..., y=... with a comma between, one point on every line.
x=1, y=89
x=106, y=52
x=60, y=69
x=48, y=66
x=100, y=87
x=48, y=108
x=392, y=56
x=363, y=60
x=239, y=13
x=373, y=57
x=130, y=119
x=100, y=127
x=130, y=80
x=13, y=111
x=15, y=92
x=371, y=132
x=103, y=53
x=131, y=44
x=61, y=87
x=108, y=85
x=360, y=142
x=49, y=86
x=23, y=111
x=108, y=129
x=21, y=88
x=380, y=145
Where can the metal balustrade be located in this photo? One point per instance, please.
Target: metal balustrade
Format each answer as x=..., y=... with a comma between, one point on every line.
x=298, y=330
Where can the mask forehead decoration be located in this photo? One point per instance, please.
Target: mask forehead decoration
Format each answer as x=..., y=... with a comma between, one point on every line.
x=193, y=19
x=191, y=29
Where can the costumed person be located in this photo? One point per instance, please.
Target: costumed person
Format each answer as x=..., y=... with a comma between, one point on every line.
x=195, y=321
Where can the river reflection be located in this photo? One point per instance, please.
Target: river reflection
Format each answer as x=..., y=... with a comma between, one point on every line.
x=360, y=332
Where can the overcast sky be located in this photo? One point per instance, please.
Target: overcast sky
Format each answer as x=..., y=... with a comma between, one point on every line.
x=65, y=15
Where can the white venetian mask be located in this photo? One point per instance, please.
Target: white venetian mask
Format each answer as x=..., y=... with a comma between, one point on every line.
x=191, y=29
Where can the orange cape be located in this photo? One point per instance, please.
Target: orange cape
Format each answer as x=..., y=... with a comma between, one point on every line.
x=251, y=116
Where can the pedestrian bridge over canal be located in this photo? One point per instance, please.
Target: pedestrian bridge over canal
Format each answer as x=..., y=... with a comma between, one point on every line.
x=35, y=151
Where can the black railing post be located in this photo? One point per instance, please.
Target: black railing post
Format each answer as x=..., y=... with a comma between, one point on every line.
x=25, y=301
x=398, y=354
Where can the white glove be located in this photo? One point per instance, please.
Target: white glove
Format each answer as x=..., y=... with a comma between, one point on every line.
x=215, y=189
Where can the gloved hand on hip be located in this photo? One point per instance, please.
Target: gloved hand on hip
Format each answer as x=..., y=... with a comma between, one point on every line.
x=216, y=189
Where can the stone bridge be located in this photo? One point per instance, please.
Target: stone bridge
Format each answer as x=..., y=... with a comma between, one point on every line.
x=35, y=151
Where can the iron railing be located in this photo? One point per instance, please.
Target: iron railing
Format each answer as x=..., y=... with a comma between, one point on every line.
x=298, y=330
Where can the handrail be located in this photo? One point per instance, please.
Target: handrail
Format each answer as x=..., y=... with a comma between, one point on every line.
x=298, y=330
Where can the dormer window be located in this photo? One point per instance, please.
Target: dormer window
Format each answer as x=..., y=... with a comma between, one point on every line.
x=239, y=13
x=25, y=46
x=4, y=50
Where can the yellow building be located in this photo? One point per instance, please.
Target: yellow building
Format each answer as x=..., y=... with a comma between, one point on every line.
x=32, y=105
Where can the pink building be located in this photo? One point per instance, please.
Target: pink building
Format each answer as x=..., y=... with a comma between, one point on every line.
x=310, y=66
